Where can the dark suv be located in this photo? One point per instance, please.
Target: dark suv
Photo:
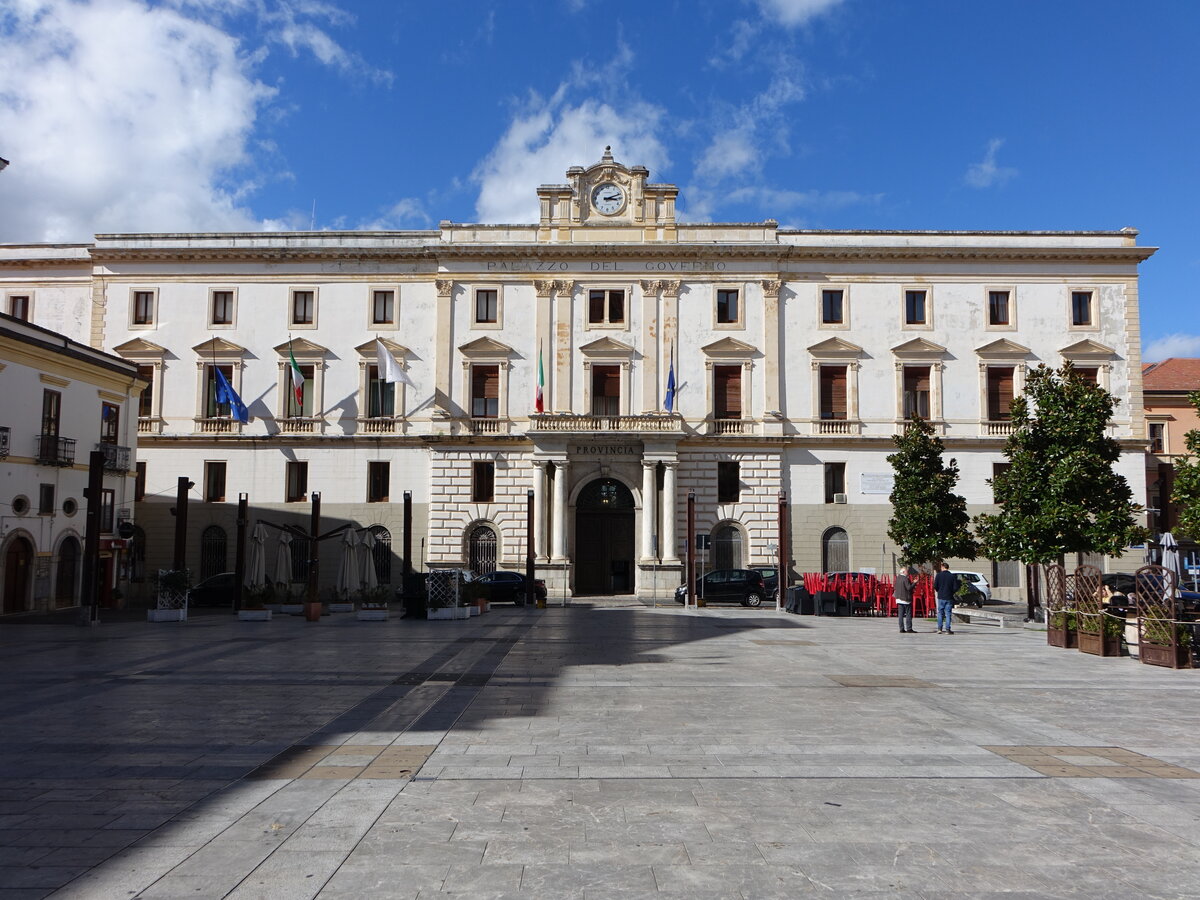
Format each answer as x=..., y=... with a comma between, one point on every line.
x=744, y=586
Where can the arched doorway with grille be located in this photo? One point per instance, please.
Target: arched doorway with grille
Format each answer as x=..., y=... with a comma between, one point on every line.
x=727, y=547
x=482, y=549
x=835, y=550
x=212, y=551
x=66, y=572
x=604, y=520
x=18, y=573
x=381, y=553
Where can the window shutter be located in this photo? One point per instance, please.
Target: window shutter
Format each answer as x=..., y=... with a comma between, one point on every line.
x=727, y=390
x=1000, y=393
x=486, y=382
x=596, y=307
x=833, y=392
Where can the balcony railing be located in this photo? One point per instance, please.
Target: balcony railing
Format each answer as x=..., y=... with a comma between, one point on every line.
x=835, y=426
x=3, y=441
x=379, y=424
x=216, y=425
x=578, y=422
x=116, y=459
x=300, y=425
x=149, y=425
x=996, y=428
x=482, y=425
x=53, y=450
x=730, y=426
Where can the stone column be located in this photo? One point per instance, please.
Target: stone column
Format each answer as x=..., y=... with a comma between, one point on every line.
x=649, y=489
x=539, y=509
x=558, y=550
x=670, y=551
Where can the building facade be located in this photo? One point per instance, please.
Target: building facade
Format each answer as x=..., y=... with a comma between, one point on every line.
x=62, y=400
x=735, y=361
x=1169, y=417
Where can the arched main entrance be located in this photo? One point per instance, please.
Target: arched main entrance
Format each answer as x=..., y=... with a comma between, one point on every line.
x=835, y=550
x=481, y=550
x=604, y=516
x=66, y=578
x=18, y=570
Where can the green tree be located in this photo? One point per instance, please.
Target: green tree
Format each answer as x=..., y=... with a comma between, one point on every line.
x=1060, y=494
x=929, y=521
x=1186, y=490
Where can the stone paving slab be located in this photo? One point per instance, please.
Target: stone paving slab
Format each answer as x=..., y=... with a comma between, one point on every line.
x=598, y=751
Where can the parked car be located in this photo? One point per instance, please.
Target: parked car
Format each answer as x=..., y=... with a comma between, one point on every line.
x=770, y=576
x=216, y=590
x=744, y=586
x=510, y=587
x=981, y=591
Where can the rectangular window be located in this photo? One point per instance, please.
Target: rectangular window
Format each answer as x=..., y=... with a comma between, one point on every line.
x=1158, y=437
x=213, y=409
x=214, y=482
x=304, y=308
x=146, y=400
x=999, y=393
x=483, y=482
x=833, y=392
x=606, y=307
x=832, y=307
x=18, y=307
x=728, y=311
x=46, y=500
x=835, y=481
x=998, y=469
x=379, y=478
x=143, y=307
x=916, y=392
x=383, y=307
x=108, y=505
x=487, y=306
x=51, y=412
x=1006, y=573
x=485, y=392
x=729, y=480
x=297, y=482
x=381, y=395
x=1081, y=308
x=1090, y=374
x=998, y=313
x=110, y=423
x=727, y=392
x=304, y=408
x=915, y=312
x=222, y=307
x=606, y=390
x=139, y=483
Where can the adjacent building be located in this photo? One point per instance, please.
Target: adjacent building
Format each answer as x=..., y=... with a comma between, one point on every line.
x=609, y=358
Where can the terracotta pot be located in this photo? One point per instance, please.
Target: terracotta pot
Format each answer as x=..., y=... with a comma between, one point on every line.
x=312, y=612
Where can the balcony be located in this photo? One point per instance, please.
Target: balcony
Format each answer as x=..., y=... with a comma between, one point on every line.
x=3, y=442
x=301, y=425
x=485, y=425
x=379, y=425
x=53, y=450
x=149, y=425
x=593, y=424
x=216, y=425
x=116, y=459
x=996, y=428
x=730, y=426
x=835, y=427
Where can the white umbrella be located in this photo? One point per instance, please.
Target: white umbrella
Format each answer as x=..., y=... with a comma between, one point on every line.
x=1170, y=556
x=366, y=551
x=347, y=580
x=283, y=560
x=256, y=568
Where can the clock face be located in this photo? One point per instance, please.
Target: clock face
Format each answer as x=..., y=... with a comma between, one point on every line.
x=608, y=198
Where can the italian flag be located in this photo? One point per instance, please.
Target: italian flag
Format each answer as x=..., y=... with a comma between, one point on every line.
x=297, y=378
x=539, y=402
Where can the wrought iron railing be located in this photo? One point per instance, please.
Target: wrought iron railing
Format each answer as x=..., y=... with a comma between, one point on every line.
x=648, y=422
x=116, y=458
x=53, y=450
x=3, y=441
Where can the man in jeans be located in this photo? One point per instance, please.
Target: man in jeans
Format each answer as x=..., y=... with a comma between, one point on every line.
x=903, y=592
x=945, y=584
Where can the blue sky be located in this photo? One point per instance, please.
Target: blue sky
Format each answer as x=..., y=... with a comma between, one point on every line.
x=122, y=115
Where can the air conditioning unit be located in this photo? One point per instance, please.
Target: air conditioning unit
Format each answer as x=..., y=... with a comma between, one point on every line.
x=839, y=498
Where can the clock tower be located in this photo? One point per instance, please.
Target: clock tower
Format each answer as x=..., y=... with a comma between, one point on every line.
x=608, y=196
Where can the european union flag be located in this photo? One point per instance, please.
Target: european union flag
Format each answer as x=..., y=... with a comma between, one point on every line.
x=226, y=394
x=669, y=401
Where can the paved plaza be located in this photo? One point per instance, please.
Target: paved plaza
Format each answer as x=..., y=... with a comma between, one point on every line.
x=604, y=750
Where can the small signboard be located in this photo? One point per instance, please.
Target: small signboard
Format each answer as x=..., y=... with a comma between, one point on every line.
x=876, y=482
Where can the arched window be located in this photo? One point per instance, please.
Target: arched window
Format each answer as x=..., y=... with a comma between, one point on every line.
x=212, y=551
x=137, y=554
x=605, y=493
x=727, y=547
x=481, y=550
x=835, y=550
x=382, y=553
x=66, y=578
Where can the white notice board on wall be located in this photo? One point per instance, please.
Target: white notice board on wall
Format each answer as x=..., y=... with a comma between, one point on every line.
x=876, y=482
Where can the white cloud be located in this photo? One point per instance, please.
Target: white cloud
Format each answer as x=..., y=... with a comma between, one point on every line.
x=986, y=173
x=793, y=13
x=1178, y=344
x=406, y=213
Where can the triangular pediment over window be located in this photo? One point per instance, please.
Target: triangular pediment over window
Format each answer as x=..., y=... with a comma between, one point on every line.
x=835, y=348
x=485, y=348
x=919, y=348
x=608, y=348
x=1003, y=349
x=220, y=348
x=301, y=349
x=367, y=350
x=140, y=348
x=727, y=347
x=1087, y=349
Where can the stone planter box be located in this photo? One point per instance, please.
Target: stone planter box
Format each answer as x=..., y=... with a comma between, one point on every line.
x=254, y=615
x=449, y=612
x=1062, y=637
x=1099, y=644
x=292, y=609
x=167, y=615
x=1159, y=655
x=341, y=607
x=371, y=615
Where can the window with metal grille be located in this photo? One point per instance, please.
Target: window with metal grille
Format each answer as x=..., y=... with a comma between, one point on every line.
x=998, y=308
x=303, y=409
x=728, y=308
x=487, y=306
x=727, y=392
x=916, y=392
x=606, y=390
x=606, y=307
x=300, y=548
x=481, y=550
x=485, y=392
x=297, y=481
x=483, y=482
x=45, y=499
x=222, y=307
x=304, y=307
x=1006, y=573
x=66, y=576
x=383, y=306
x=833, y=392
x=832, y=307
x=214, y=482
x=381, y=553
x=379, y=476
x=110, y=423
x=835, y=550
x=999, y=393
x=727, y=547
x=146, y=400
x=143, y=307
x=18, y=307
x=729, y=484
x=108, y=505
x=915, y=312
x=835, y=480
x=213, y=547
x=1081, y=307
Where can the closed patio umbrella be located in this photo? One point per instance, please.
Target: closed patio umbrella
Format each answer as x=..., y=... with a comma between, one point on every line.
x=256, y=567
x=366, y=554
x=347, y=580
x=1170, y=556
x=283, y=561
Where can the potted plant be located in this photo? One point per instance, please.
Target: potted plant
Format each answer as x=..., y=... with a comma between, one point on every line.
x=1100, y=634
x=254, y=603
x=475, y=596
x=171, y=590
x=1156, y=647
x=1061, y=629
x=372, y=604
x=340, y=601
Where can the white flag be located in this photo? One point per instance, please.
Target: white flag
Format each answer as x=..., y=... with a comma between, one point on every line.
x=389, y=369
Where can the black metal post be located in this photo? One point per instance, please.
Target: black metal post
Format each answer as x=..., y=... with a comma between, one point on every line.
x=529, y=549
x=181, y=521
x=314, y=549
x=89, y=595
x=407, y=564
x=239, y=565
x=783, y=581
x=690, y=568
x=1033, y=596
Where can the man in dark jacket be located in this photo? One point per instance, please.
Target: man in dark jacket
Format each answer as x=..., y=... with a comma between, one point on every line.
x=903, y=592
x=945, y=586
